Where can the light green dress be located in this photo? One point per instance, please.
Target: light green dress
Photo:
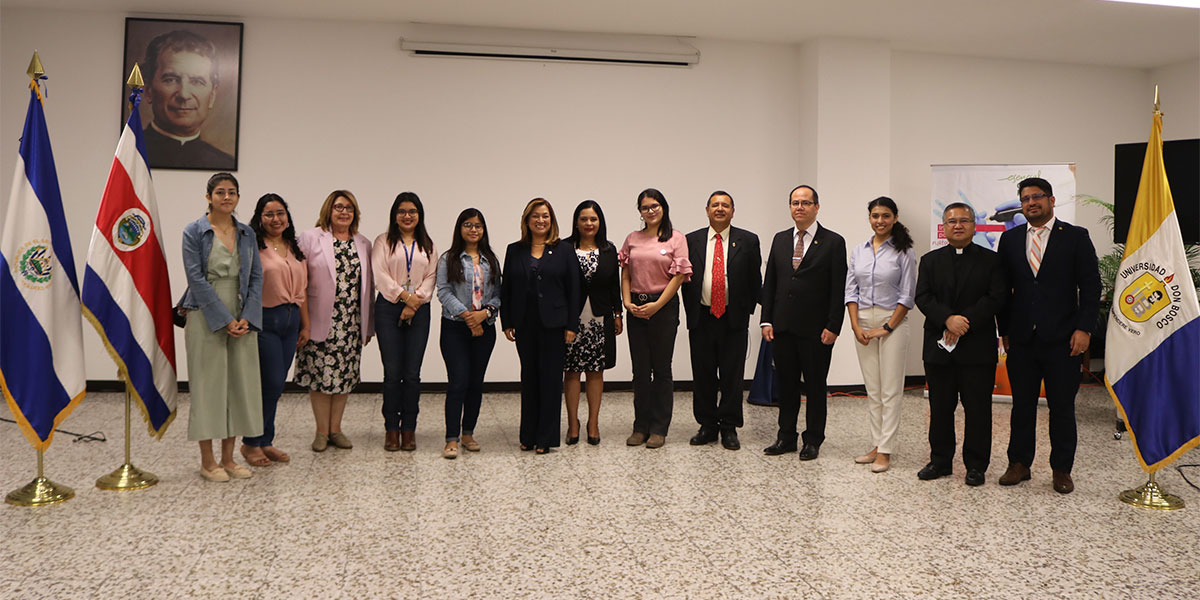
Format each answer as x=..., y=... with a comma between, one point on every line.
x=223, y=371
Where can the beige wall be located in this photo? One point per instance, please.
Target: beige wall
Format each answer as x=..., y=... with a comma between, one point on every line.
x=337, y=104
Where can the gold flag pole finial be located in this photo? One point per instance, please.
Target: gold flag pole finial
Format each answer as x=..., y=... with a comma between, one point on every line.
x=1156, y=98
x=36, y=70
x=135, y=78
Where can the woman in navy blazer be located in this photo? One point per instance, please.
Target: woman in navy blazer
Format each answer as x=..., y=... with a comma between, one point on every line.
x=539, y=310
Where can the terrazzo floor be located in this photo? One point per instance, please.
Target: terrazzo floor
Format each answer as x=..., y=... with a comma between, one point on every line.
x=590, y=522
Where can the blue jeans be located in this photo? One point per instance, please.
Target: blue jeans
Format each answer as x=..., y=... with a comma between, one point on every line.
x=466, y=359
x=276, y=348
x=402, y=347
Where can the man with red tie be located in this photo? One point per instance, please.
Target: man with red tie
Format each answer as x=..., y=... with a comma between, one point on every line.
x=1047, y=324
x=718, y=308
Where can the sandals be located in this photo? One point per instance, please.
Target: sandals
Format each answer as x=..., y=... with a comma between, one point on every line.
x=276, y=455
x=262, y=460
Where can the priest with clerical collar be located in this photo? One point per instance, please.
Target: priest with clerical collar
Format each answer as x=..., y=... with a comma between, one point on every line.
x=181, y=69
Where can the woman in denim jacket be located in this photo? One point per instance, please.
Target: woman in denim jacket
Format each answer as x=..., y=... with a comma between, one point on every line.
x=468, y=286
x=223, y=306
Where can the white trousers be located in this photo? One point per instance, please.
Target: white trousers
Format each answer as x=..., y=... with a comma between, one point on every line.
x=882, y=363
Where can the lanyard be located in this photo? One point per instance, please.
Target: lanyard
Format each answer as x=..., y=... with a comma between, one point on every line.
x=409, y=253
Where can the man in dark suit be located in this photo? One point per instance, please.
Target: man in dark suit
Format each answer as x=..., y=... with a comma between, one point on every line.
x=1046, y=327
x=803, y=303
x=718, y=307
x=959, y=290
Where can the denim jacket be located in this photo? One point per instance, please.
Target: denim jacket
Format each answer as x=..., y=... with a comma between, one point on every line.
x=199, y=295
x=456, y=297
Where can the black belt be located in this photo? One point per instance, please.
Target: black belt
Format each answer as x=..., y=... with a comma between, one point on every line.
x=641, y=299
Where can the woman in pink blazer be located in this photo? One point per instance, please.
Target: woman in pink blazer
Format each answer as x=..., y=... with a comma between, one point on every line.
x=340, y=294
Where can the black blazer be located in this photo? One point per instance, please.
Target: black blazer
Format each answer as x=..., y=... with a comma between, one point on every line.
x=978, y=298
x=1064, y=296
x=811, y=298
x=604, y=291
x=557, y=287
x=743, y=267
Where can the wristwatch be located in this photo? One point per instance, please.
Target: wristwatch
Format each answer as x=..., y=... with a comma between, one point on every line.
x=887, y=327
x=491, y=311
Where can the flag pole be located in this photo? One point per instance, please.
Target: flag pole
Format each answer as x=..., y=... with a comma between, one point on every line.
x=40, y=491
x=1150, y=495
x=127, y=476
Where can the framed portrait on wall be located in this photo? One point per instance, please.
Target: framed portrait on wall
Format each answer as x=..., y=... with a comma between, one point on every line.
x=191, y=106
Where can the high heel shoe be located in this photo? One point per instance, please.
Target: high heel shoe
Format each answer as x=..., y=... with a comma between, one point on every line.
x=572, y=440
x=544, y=450
x=593, y=441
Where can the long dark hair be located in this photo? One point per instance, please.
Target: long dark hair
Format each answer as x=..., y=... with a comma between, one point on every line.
x=289, y=234
x=420, y=233
x=901, y=239
x=601, y=231
x=454, y=268
x=664, y=227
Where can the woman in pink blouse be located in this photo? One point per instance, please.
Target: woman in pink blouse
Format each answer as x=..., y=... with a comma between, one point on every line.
x=405, y=272
x=285, y=281
x=654, y=264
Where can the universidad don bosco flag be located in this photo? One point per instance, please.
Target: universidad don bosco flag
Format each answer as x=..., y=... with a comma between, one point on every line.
x=41, y=329
x=1153, y=345
x=126, y=291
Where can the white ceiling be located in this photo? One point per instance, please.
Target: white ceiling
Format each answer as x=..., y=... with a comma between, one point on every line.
x=1074, y=31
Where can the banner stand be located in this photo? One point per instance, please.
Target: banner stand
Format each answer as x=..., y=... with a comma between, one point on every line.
x=1151, y=496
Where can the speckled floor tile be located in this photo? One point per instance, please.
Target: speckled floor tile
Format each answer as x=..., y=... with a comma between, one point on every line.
x=589, y=522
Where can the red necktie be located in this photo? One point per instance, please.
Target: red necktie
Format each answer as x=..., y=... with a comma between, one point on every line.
x=718, y=279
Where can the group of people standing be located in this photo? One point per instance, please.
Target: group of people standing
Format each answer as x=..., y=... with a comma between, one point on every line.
x=321, y=296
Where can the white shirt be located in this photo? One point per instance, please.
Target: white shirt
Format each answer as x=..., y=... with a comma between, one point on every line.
x=808, y=237
x=710, y=249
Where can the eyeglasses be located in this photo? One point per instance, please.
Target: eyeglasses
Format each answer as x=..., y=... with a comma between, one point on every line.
x=650, y=208
x=1032, y=197
x=274, y=215
x=804, y=203
x=472, y=226
x=343, y=208
x=959, y=221
x=412, y=212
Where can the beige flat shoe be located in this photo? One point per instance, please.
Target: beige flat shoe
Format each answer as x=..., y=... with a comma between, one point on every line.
x=867, y=458
x=217, y=474
x=469, y=443
x=320, y=443
x=239, y=472
x=882, y=463
x=450, y=451
x=339, y=440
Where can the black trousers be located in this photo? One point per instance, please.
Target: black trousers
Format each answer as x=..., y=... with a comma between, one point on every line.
x=651, y=348
x=718, y=369
x=797, y=358
x=972, y=385
x=1028, y=366
x=542, y=352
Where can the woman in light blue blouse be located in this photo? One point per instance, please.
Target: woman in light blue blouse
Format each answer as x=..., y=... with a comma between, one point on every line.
x=468, y=286
x=879, y=293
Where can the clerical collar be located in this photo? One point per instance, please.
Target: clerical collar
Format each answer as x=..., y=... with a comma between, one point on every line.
x=180, y=139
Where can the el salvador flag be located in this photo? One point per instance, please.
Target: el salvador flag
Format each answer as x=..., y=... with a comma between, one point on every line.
x=126, y=290
x=41, y=333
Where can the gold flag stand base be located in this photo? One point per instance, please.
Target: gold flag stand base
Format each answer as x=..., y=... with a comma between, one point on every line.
x=40, y=491
x=1151, y=496
x=127, y=476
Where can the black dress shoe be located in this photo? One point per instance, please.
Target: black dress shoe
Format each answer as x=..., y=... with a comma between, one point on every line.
x=572, y=440
x=932, y=471
x=780, y=447
x=706, y=435
x=809, y=452
x=729, y=439
x=593, y=441
x=974, y=477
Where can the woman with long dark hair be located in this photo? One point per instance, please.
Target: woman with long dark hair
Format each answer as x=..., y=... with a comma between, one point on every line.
x=284, y=315
x=404, y=269
x=595, y=348
x=540, y=312
x=655, y=263
x=880, y=285
x=468, y=286
x=223, y=304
